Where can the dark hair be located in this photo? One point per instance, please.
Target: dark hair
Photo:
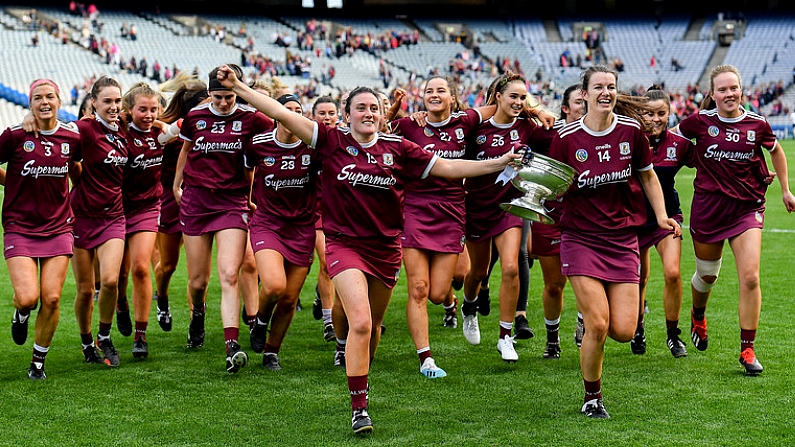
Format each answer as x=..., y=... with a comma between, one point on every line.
x=358, y=91
x=566, y=97
x=457, y=105
x=627, y=105
x=101, y=83
x=654, y=93
x=187, y=96
x=214, y=84
x=322, y=100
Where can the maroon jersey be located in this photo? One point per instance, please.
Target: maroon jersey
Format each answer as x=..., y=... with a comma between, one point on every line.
x=219, y=141
x=284, y=186
x=492, y=140
x=729, y=159
x=669, y=153
x=168, y=169
x=103, y=155
x=141, y=185
x=447, y=140
x=606, y=194
x=36, y=200
x=363, y=185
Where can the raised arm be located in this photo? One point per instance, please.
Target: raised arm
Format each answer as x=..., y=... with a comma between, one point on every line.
x=298, y=124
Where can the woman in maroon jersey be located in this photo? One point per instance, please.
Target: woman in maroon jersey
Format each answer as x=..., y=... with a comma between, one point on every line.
x=485, y=220
x=729, y=202
x=141, y=191
x=364, y=174
x=433, y=231
x=99, y=216
x=601, y=213
x=670, y=152
x=214, y=206
x=37, y=217
x=282, y=229
x=544, y=241
x=189, y=94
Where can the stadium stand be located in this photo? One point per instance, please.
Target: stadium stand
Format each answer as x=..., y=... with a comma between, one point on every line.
x=763, y=50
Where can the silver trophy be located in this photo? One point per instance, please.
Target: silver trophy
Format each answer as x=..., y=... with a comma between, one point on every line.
x=540, y=178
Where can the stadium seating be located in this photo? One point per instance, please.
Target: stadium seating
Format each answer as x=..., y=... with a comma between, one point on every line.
x=764, y=54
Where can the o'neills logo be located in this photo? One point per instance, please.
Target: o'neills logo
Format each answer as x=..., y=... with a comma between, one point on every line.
x=30, y=169
x=223, y=146
x=347, y=174
x=602, y=179
x=114, y=159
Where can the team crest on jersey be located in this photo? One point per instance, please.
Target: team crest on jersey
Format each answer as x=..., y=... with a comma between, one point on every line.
x=201, y=124
x=480, y=139
x=306, y=160
x=237, y=126
x=751, y=135
x=514, y=135
x=269, y=161
x=389, y=160
x=670, y=153
x=459, y=133
x=138, y=142
x=427, y=131
x=713, y=131
x=581, y=155
x=29, y=146
x=623, y=148
x=64, y=148
x=352, y=150
x=110, y=138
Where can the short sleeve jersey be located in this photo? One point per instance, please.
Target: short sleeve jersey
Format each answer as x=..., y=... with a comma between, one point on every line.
x=492, y=140
x=103, y=155
x=606, y=193
x=669, y=153
x=363, y=184
x=285, y=182
x=729, y=158
x=36, y=200
x=447, y=139
x=141, y=188
x=219, y=141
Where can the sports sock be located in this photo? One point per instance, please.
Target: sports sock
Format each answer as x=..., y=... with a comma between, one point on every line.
x=104, y=330
x=747, y=337
x=424, y=353
x=39, y=353
x=505, y=329
x=231, y=334
x=593, y=390
x=553, y=327
x=698, y=313
x=140, y=330
x=357, y=386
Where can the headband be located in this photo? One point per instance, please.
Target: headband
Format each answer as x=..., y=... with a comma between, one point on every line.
x=284, y=99
x=39, y=82
x=215, y=84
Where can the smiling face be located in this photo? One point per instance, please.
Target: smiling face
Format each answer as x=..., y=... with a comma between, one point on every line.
x=438, y=98
x=223, y=101
x=657, y=114
x=107, y=104
x=601, y=93
x=44, y=104
x=510, y=101
x=727, y=92
x=365, y=115
x=145, y=111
